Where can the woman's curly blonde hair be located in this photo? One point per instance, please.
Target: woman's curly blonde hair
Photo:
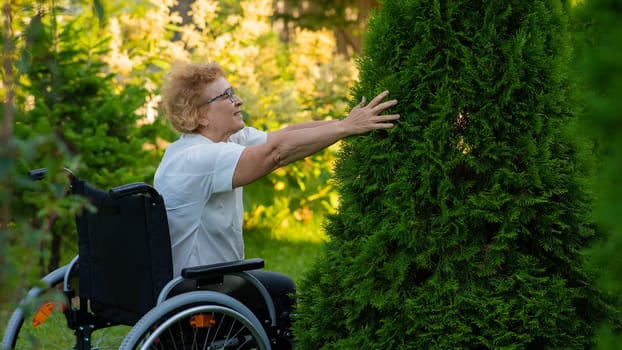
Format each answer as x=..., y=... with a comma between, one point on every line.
x=183, y=87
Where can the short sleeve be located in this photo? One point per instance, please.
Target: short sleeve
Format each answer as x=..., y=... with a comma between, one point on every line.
x=249, y=136
x=225, y=165
x=217, y=162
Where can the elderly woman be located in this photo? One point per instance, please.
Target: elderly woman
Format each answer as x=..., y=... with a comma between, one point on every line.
x=202, y=173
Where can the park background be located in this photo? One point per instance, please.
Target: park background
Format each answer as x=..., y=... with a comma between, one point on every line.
x=80, y=89
x=86, y=82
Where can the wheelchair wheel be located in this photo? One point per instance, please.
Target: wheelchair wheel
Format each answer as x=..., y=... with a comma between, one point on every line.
x=40, y=322
x=198, y=320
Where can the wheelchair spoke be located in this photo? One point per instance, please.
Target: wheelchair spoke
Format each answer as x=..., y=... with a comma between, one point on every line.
x=188, y=321
x=228, y=336
x=209, y=331
x=224, y=333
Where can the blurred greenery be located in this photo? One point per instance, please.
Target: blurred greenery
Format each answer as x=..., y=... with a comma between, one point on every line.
x=600, y=68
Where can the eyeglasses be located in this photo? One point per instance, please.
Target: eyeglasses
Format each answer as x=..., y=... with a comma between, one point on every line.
x=229, y=93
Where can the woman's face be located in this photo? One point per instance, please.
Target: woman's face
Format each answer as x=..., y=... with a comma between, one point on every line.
x=222, y=115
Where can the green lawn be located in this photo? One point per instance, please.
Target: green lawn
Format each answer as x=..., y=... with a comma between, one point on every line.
x=287, y=257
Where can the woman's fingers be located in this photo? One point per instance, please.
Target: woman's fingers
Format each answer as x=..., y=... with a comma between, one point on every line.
x=376, y=100
x=384, y=120
x=382, y=106
x=388, y=117
x=376, y=105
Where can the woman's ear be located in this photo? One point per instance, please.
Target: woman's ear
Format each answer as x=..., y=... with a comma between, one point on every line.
x=204, y=120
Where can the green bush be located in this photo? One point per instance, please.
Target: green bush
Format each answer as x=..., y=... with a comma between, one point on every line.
x=65, y=94
x=29, y=210
x=463, y=227
x=600, y=66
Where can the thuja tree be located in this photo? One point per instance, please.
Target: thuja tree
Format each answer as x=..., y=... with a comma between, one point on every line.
x=600, y=66
x=463, y=226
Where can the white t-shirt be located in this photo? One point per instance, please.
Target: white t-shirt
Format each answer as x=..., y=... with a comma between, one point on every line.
x=205, y=214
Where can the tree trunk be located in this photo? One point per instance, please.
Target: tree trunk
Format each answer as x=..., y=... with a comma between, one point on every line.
x=348, y=19
x=6, y=130
x=183, y=8
x=350, y=38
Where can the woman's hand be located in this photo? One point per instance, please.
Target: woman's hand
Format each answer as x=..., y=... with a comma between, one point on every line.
x=363, y=118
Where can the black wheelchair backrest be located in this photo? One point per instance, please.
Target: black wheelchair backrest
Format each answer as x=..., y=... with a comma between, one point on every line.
x=124, y=250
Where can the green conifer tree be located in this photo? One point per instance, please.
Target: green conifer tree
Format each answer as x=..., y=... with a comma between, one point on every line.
x=462, y=227
x=67, y=91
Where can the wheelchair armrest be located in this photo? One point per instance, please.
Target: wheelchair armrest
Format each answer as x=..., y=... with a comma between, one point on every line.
x=206, y=271
x=133, y=188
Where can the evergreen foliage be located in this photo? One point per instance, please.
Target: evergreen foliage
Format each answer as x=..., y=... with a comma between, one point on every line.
x=463, y=226
x=64, y=96
x=600, y=66
x=66, y=92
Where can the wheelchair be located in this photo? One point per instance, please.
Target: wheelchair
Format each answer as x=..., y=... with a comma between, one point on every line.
x=119, y=292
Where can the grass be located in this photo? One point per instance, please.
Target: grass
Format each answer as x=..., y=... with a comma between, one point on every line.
x=291, y=258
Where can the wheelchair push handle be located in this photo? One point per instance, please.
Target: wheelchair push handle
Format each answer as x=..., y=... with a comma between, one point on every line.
x=39, y=174
x=115, y=192
x=133, y=188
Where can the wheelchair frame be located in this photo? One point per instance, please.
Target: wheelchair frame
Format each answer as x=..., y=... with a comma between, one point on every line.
x=202, y=307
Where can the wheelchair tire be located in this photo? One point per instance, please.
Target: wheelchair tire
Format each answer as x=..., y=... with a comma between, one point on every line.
x=52, y=331
x=12, y=338
x=198, y=320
